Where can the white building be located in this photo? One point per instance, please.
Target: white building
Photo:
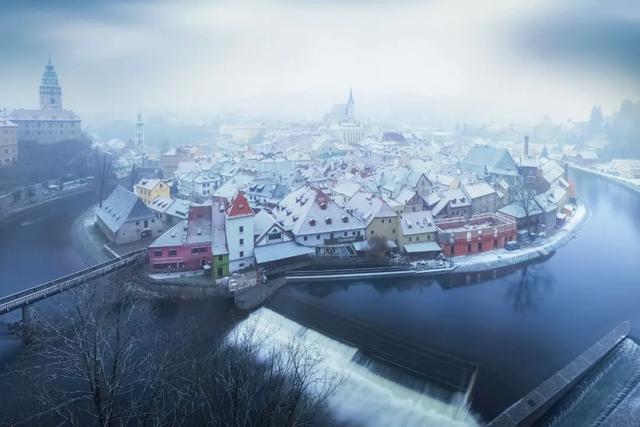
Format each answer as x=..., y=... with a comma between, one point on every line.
x=316, y=220
x=239, y=233
x=51, y=123
x=8, y=142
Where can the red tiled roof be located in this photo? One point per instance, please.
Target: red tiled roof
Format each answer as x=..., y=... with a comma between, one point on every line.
x=239, y=206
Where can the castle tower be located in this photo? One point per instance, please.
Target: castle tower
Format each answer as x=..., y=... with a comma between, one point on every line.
x=50, y=90
x=140, y=134
x=350, y=105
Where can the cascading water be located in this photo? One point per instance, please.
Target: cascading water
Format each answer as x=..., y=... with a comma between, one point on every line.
x=366, y=397
x=598, y=394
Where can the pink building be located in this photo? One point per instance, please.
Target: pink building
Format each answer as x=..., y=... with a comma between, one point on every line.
x=187, y=245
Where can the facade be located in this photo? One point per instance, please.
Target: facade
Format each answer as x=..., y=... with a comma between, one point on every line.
x=239, y=233
x=185, y=246
x=8, y=142
x=124, y=218
x=219, y=251
x=150, y=189
x=418, y=234
x=316, y=220
x=411, y=201
x=484, y=232
x=381, y=220
x=274, y=246
x=51, y=123
x=482, y=196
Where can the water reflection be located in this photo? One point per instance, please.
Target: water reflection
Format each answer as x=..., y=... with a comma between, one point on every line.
x=528, y=287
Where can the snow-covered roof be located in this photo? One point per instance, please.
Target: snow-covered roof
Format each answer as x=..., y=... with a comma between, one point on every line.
x=420, y=222
x=122, y=206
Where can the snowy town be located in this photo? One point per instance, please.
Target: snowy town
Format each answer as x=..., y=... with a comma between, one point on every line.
x=338, y=189
x=351, y=213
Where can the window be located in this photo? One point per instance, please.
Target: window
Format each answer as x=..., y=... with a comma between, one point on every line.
x=241, y=230
x=393, y=231
x=220, y=257
x=219, y=271
x=410, y=239
x=479, y=246
x=241, y=265
x=195, y=250
x=173, y=252
x=241, y=242
x=469, y=248
x=241, y=254
x=318, y=237
x=371, y=231
x=345, y=233
x=274, y=236
x=305, y=238
x=157, y=253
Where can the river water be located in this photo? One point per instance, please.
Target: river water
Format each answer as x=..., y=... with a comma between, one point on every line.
x=526, y=323
x=519, y=325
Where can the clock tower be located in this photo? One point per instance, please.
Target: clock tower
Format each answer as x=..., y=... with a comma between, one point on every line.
x=50, y=90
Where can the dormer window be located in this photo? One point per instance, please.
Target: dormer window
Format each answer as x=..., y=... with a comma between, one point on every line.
x=345, y=219
x=327, y=220
x=312, y=222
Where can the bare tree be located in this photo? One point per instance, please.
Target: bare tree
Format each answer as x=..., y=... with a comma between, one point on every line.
x=103, y=168
x=93, y=371
x=102, y=365
x=246, y=380
x=524, y=197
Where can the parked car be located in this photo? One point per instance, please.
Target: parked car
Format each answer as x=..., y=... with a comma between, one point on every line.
x=512, y=245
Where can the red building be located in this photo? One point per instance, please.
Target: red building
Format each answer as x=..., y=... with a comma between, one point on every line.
x=187, y=245
x=480, y=233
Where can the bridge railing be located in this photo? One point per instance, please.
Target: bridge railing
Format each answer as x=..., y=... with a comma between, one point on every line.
x=56, y=285
x=349, y=270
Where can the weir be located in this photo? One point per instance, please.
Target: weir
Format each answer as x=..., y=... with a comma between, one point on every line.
x=446, y=371
x=373, y=393
x=547, y=400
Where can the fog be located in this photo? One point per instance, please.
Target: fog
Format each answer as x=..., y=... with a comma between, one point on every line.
x=431, y=61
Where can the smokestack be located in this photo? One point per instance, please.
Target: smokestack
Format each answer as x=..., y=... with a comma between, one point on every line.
x=526, y=145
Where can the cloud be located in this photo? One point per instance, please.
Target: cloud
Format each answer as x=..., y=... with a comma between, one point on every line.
x=599, y=35
x=285, y=57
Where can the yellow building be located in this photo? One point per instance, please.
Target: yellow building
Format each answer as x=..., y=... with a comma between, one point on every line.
x=418, y=234
x=381, y=219
x=149, y=189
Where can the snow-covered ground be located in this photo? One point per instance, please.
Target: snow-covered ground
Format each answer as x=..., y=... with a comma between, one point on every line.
x=177, y=274
x=503, y=258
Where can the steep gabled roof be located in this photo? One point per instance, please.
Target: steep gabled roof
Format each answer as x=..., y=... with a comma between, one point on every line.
x=122, y=206
x=239, y=206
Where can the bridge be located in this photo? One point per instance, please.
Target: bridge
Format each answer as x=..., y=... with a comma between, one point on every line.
x=25, y=298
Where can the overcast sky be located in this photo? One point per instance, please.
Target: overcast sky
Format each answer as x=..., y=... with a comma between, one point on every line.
x=465, y=60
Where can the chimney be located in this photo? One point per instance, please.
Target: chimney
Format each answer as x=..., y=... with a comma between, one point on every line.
x=526, y=145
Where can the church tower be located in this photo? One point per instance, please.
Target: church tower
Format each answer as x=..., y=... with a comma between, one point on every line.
x=350, y=105
x=140, y=134
x=50, y=90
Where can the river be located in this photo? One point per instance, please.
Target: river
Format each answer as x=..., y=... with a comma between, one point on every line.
x=519, y=325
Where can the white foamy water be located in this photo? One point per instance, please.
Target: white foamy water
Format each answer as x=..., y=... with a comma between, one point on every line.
x=365, y=398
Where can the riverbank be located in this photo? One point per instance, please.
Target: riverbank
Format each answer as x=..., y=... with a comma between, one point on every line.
x=504, y=258
x=10, y=209
x=625, y=182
